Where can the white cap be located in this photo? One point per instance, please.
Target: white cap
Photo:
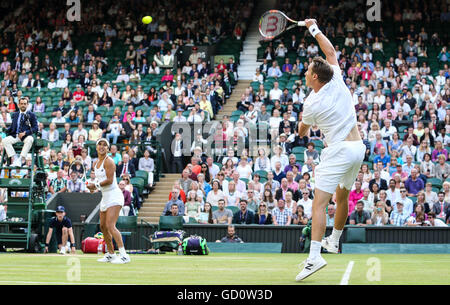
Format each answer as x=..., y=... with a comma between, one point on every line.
x=104, y=140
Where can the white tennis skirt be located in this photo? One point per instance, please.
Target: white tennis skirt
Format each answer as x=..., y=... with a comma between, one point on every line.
x=339, y=165
x=111, y=198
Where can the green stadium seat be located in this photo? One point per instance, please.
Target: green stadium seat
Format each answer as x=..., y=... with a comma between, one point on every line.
x=170, y=223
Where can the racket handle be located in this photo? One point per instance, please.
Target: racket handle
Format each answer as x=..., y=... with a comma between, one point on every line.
x=301, y=23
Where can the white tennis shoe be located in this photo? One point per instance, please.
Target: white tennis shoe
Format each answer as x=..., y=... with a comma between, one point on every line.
x=330, y=245
x=107, y=258
x=121, y=259
x=310, y=267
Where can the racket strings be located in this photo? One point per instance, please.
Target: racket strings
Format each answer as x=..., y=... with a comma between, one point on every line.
x=272, y=24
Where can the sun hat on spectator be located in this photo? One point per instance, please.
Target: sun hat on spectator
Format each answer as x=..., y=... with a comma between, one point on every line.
x=154, y=122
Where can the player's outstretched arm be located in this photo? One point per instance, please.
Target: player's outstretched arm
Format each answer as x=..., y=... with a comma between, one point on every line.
x=324, y=44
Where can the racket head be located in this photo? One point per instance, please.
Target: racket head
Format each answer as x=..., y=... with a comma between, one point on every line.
x=272, y=23
x=78, y=167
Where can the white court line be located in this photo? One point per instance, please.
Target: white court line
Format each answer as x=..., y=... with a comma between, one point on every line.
x=57, y=283
x=346, y=275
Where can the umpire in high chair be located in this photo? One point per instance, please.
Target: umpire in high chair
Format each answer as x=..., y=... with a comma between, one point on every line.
x=24, y=125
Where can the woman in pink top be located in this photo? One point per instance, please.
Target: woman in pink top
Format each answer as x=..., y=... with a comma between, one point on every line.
x=354, y=196
x=167, y=76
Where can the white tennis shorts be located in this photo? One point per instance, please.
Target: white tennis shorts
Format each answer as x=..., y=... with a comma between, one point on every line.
x=111, y=198
x=339, y=165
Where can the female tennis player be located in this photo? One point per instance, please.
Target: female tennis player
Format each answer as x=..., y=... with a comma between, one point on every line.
x=330, y=107
x=111, y=203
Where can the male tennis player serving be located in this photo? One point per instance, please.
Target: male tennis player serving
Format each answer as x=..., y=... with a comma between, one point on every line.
x=329, y=106
x=111, y=203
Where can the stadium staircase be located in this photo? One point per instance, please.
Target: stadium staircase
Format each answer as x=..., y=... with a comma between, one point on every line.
x=230, y=106
x=153, y=206
x=248, y=57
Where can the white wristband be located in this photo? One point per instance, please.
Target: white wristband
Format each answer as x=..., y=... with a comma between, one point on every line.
x=314, y=30
x=97, y=185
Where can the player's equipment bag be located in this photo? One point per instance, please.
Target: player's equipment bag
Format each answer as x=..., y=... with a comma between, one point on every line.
x=90, y=245
x=166, y=240
x=195, y=245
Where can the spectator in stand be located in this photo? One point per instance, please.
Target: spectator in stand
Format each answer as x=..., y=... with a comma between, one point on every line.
x=441, y=207
x=413, y=184
x=406, y=202
x=380, y=217
x=398, y=217
x=274, y=70
x=174, y=200
x=354, y=196
x=359, y=216
x=215, y=194
x=306, y=203
x=275, y=93
x=127, y=199
x=263, y=216
x=243, y=216
x=75, y=185
x=59, y=184
x=331, y=213
x=439, y=150
x=222, y=215
x=147, y=164
x=280, y=215
x=435, y=222
x=442, y=168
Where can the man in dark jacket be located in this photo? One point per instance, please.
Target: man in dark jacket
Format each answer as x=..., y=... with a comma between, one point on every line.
x=243, y=216
x=24, y=125
x=231, y=236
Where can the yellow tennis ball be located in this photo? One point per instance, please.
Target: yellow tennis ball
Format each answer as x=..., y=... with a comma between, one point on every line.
x=147, y=19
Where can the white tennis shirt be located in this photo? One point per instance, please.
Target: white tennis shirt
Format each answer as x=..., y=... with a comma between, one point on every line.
x=331, y=109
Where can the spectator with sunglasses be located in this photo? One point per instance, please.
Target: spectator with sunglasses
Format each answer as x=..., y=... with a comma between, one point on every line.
x=263, y=217
x=407, y=203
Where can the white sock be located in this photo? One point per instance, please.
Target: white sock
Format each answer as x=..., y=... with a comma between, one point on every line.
x=336, y=235
x=314, y=251
x=111, y=255
x=122, y=251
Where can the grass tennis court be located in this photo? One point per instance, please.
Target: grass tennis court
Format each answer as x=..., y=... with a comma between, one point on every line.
x=218, y=268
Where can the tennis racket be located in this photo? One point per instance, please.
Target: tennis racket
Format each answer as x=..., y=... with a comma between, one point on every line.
x=272, y=23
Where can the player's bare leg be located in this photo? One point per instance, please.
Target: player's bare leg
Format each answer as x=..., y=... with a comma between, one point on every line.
x=331, y=243
x=64, y=237
x=110, y=255
x=315, y=262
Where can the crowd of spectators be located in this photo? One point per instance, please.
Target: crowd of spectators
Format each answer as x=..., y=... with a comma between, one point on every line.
x=99, y=70
x=403, y=116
